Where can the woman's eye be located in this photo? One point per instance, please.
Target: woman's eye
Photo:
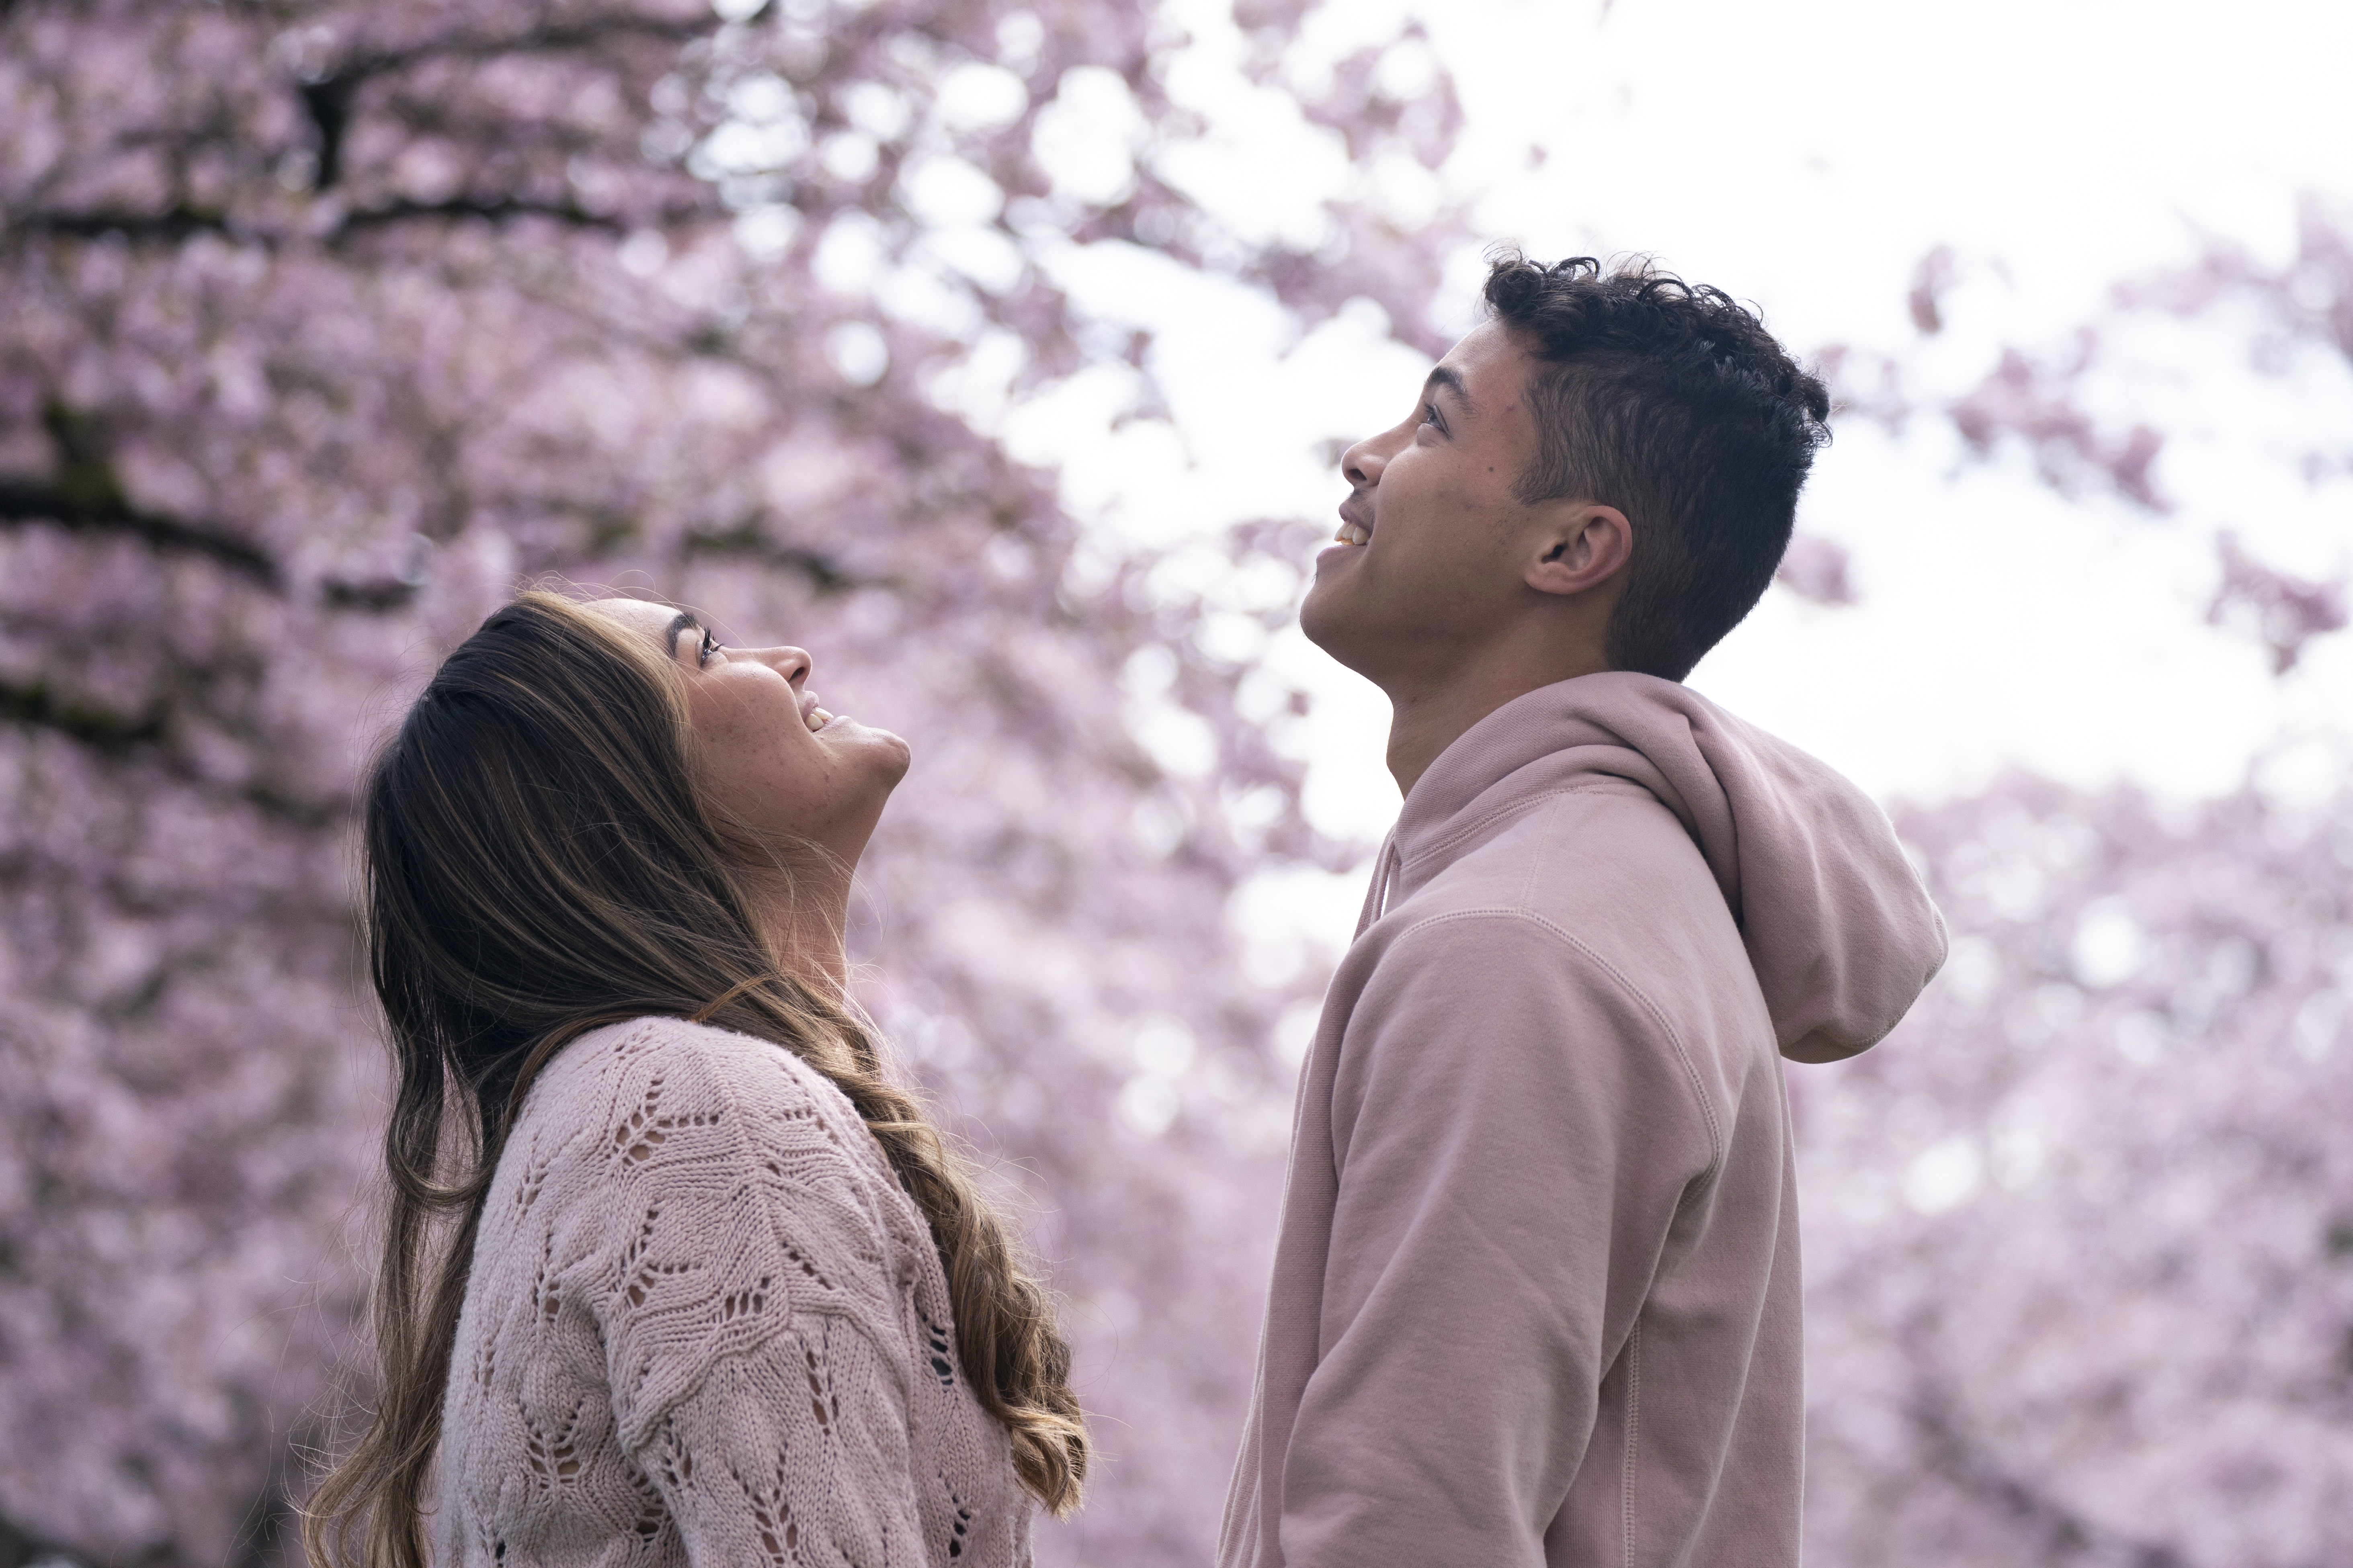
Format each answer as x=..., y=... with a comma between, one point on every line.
x=709, y=645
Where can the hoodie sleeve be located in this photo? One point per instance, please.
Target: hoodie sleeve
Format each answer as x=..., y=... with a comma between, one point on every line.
x=1513, y=1130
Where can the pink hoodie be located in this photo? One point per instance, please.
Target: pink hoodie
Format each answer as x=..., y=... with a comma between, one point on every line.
x=1535, y=1289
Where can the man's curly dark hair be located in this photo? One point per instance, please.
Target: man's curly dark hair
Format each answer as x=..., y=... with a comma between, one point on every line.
x=1671, y=403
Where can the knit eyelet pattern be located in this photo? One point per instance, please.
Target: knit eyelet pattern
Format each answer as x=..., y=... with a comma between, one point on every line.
x=704, y=1324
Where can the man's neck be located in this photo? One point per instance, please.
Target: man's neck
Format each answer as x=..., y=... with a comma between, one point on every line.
x=1427, y=716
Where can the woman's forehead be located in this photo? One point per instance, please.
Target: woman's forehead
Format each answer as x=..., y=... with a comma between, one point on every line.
x=639, y=615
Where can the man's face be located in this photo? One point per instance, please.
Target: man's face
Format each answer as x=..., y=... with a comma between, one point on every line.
x=1431, y=535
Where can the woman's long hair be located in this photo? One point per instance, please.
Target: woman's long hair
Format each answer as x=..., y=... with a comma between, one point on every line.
x=538, y=864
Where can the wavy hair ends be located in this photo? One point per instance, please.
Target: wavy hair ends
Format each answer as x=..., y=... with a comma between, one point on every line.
x=1669, y=401
x=538, y=864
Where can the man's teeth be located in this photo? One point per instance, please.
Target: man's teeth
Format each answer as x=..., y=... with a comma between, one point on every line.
x=1354, y=533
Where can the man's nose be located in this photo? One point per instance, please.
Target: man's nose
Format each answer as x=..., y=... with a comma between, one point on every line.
x=1361, y=465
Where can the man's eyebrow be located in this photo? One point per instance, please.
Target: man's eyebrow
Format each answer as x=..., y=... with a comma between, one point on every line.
x=1449, y=378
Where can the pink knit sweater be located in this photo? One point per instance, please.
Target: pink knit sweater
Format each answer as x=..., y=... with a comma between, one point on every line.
x=705, y=1325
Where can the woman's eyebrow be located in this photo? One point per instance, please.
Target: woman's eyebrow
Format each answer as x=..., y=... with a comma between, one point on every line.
x=684, y=619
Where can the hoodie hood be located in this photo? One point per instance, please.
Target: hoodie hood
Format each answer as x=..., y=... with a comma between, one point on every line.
x=1837, y=924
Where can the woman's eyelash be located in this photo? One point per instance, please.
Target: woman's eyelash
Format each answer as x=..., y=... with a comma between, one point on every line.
x=709, y=645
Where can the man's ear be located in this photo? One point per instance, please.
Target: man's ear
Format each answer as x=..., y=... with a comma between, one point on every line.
x=1578, y=545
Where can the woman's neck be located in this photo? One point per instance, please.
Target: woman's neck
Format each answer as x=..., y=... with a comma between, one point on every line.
x=805, y=912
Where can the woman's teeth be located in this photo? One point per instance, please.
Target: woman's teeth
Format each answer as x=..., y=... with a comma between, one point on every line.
x=1352, y=533
x=818, y=719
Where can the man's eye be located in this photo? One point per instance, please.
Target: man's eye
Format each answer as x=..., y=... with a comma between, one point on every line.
x=1429, y=415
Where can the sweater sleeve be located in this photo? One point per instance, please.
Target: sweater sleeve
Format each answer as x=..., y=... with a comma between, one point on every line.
x=794, y=1452
x=1513, y=1129
x=748, y=1317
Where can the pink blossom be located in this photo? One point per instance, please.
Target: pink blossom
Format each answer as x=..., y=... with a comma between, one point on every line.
x=1815, y=568
x=2281, y=611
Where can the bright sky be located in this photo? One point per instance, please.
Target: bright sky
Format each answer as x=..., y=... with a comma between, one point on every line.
x=1805, y=155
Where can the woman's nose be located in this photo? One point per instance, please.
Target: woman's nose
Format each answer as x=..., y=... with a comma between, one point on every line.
x=792, y=663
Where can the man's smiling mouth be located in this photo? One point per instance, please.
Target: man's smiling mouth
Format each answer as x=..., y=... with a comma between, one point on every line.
x=1351, y=530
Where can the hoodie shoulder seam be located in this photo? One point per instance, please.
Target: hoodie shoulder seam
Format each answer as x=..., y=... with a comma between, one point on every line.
x=1488, y=819
x=1658, y=1013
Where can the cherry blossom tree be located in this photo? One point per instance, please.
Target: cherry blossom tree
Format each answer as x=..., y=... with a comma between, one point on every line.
x=326, y=325
x=2050, y=404
x=2079, y=1234
x=2080, y=1237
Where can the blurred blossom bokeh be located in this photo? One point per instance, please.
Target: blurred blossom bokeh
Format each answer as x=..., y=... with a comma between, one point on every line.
x=999, y=353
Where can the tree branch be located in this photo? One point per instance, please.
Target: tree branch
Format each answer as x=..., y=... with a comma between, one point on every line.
x=2067, y=1534
x=175, y=225
x=555, y=37
x=86, y=512
x=117, y=735
x=328, y=100
x=825, y=574
x=38, y=707
x=328, y=104
x=19, y=1548
x=169, y=226
x=493, y=209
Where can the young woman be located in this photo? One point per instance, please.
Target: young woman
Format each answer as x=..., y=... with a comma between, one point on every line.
x=714, y=1292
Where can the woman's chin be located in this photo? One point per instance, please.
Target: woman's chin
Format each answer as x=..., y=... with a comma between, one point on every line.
x=888, y=753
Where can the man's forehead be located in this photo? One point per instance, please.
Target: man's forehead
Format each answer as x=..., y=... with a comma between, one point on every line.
x=1485, y=361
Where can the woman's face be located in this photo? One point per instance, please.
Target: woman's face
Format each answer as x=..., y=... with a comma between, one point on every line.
x=768, y=757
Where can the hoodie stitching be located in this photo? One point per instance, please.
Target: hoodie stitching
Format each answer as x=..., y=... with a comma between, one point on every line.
x=1456, y=836
x=1658, y=1014
x=1633, y=1433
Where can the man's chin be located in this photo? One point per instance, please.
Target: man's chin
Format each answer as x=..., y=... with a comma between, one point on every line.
x=1326, y=617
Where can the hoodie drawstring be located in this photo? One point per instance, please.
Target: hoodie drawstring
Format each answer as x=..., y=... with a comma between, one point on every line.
x=1377, y=896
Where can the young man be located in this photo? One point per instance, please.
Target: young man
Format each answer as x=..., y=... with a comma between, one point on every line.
x=1535, y=1289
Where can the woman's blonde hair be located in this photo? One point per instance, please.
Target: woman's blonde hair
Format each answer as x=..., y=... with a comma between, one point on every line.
x=538, y=864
